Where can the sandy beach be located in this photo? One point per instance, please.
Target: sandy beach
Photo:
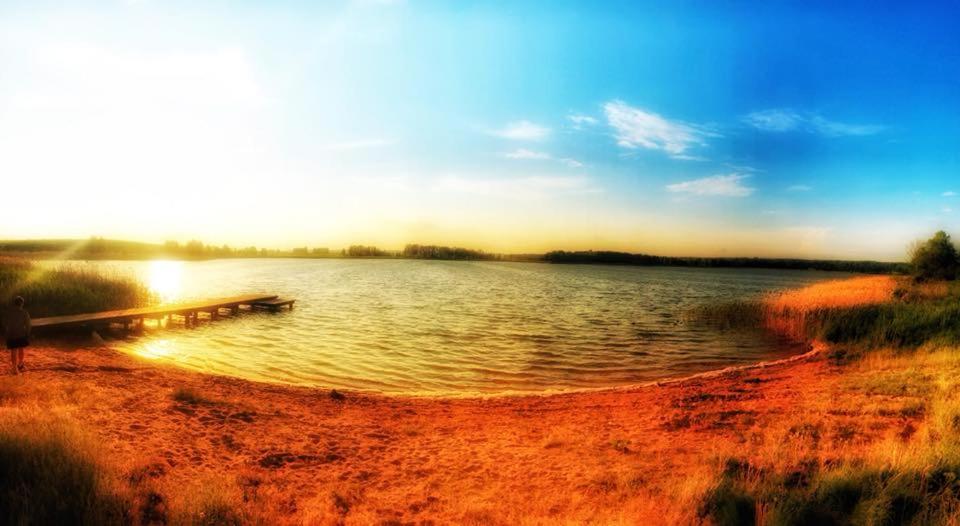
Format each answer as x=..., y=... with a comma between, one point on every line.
x=297, y=455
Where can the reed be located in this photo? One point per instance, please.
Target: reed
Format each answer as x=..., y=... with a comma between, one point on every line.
x=870, y=312
x=70, y=288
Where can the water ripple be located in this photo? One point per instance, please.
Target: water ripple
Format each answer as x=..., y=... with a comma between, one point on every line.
x=454, y=328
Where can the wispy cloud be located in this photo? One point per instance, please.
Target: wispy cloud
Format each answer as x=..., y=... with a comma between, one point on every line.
x=581, y=121
x=786, y=120
x=949, y=193
x=525, y=154
x=685, y=157
x=638, y=128
x=523, y=131
x=799, y=188
x=729, y=185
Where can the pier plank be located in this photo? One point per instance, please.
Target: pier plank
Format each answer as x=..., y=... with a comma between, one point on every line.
x=124, y=315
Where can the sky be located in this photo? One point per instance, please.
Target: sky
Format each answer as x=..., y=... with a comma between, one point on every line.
x=781, y=129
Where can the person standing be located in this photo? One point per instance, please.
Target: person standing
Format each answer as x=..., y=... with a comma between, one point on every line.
x=16, y=327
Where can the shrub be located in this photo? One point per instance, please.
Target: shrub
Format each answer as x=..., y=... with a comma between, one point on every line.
x=186, y=395
x=935, y=258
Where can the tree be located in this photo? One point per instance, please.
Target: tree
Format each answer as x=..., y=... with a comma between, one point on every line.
x=935, y=258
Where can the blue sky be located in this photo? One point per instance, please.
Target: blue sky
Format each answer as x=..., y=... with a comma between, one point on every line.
x=693, y=128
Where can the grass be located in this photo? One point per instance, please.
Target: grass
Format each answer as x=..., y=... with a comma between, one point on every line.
x=50, y=475
x=69, y=288
x=871, y=312
x=909, y=478
x=898, y=341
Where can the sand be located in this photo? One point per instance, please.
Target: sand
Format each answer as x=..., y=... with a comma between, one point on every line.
x=296, y=455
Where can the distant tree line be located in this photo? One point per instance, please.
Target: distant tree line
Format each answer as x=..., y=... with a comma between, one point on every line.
x=936, y=258
x=626, y=258
x=443, y=252
x=362, y=251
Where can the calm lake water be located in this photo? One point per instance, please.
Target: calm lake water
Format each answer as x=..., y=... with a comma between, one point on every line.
x=458, y=328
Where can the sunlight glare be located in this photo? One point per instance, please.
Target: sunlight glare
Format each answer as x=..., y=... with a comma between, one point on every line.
x=165, y=279
x=156, y=349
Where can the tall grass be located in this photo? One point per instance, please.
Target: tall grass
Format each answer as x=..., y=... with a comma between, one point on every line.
x=69, y=288
x=897, y=480
x=906, y=335
x=868, y=312
x=49, y=474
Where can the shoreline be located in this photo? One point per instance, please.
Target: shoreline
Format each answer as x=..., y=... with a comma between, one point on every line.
x=184, y=442
x=814, y=349
x=589, y=455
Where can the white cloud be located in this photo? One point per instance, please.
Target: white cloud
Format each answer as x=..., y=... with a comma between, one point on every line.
x=840, y=129
x=949, y=193
x=947, y=210
x=637, y=128
x=580, y=121
x=785, y=120
x=523, y=153
x=98, y=76
x=523, y=131
x=799, y=188
x=774, y=120
x=685, y=157
x=729, y=185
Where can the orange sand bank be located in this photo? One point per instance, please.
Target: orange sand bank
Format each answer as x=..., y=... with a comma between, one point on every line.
x=179, y=440
x=295, y=455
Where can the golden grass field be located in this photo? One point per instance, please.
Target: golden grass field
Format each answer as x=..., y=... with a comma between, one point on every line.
x=171, y=446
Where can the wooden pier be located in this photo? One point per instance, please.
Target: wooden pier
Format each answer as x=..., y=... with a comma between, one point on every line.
x=189, y=313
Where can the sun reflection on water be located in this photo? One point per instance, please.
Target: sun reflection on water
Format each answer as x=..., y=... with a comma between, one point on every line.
x=165, y=279
x=155, y=349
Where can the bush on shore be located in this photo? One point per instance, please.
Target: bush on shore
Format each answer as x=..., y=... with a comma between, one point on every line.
x=69, y=288
x=935, y=258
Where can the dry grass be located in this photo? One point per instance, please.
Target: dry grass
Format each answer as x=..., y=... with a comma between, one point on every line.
x=892, y=456
x=789, y=312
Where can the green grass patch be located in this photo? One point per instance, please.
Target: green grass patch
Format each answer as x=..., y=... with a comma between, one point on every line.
x=897, y=324
x=844, y=495
x=69, y=288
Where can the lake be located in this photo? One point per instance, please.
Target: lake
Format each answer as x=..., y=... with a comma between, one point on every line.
x=458, y=328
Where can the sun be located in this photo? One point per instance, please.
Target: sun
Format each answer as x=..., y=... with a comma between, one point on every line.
x=165, y=279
